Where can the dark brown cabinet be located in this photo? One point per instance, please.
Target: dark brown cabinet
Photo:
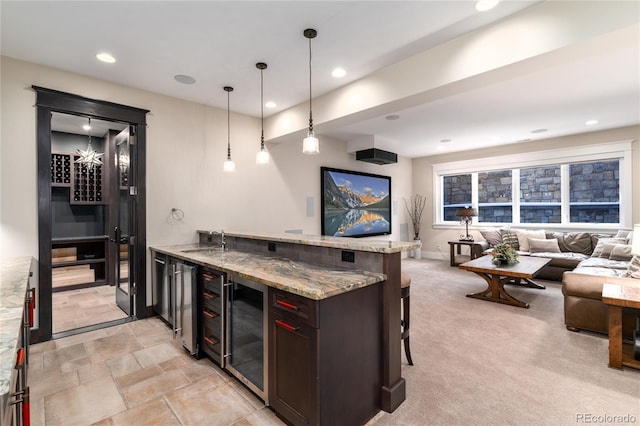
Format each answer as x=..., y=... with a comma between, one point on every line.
x=211, y=315
x=325, y=357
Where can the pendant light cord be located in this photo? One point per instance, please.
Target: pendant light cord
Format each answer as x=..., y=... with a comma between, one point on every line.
x=310, y=109
x=89, y=131
x=261, y=111
x=228, y=129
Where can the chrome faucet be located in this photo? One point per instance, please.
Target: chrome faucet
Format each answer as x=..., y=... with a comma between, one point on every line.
x=223, y=242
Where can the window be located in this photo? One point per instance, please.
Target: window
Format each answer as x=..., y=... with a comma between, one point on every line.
x=494, y=196
x=540, y=195
x=457, y=193
x=580, y=187
x=595, y=192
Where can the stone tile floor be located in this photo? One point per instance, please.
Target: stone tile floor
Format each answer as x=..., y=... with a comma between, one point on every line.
x=134, y=374
x=82, y=307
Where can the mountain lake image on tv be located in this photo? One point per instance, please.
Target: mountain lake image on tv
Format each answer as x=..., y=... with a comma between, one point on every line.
x=355, y=204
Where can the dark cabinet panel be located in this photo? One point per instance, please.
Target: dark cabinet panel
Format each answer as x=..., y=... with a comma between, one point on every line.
x=325, y=357
x=294, y=370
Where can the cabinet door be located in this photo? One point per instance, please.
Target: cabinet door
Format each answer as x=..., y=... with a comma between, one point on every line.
x=293, y=370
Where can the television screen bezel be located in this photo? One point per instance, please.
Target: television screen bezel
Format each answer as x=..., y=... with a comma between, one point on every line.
x=324, y=170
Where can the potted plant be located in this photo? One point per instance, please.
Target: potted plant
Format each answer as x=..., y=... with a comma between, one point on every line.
x=415, y=207
x=504, y=254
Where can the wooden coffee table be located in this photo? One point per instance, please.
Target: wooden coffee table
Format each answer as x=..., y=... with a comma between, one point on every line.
x=497, y=276
x=619, y=296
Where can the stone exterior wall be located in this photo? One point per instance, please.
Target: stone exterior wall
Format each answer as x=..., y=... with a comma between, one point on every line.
x=495, y=188
x=540, y=184
x=594, y=182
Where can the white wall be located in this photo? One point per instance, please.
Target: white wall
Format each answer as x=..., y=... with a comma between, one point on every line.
x=432, y=237
x=186, y=147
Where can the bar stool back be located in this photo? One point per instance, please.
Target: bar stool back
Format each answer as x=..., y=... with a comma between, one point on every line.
x=405, y=284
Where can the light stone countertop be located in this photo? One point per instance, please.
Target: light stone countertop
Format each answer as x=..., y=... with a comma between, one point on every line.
x=311, y=281
x=14, y=278
x=347, y=243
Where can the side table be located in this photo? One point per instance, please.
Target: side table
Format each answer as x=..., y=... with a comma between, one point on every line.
x=455, y=248
x=619, y=296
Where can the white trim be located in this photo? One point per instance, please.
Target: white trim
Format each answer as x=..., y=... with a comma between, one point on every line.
x=532, y=159
x=621, y=150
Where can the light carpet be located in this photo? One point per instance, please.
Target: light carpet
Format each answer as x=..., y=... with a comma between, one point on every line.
x=478, y=362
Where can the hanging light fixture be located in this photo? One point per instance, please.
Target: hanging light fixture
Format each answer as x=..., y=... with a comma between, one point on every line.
x=229, y=165
x=89, y=157
x=262, y=156
x=310, y=144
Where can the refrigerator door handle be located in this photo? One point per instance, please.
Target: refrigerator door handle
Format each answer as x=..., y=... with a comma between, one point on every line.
x=181, y=324
x=174, y=305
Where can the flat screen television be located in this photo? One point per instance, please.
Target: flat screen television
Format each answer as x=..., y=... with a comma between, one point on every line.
x=355, y=204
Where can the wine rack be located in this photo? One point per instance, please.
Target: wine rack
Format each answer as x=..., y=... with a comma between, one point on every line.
x=60, y=170
x=86, y=184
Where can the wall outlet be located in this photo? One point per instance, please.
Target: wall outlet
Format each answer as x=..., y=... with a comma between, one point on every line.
x=348, y=256
x=438, y=247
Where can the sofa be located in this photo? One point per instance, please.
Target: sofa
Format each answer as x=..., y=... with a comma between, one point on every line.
x=583, y=261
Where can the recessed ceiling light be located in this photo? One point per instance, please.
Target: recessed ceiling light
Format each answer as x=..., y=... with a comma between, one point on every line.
x=484, y=5
x=86, y=127
x=270, y=104
x=539, y=130
x=338, y=72
x=184, y=79
x=591, y=122
x=445, y=140
x=106, y=57
x=392, y=117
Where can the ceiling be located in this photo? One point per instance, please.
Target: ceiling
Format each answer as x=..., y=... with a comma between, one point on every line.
x=218, y=43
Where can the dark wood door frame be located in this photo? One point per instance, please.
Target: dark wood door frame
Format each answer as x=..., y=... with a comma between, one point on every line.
x=49, y=101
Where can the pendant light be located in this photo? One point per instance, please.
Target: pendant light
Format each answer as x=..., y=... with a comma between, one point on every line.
x=310, y=144
x=229, y=166
x=262, y=156
x=89, y=157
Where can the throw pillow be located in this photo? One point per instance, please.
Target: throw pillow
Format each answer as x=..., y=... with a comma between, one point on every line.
x=537, y=245
x=598, y=251
x=622, y=234
x=633, y=271
x=573, y=242
x=606, y=250
x=621, y=252
x=510, y=237
x=523, y=234
x=492, y=236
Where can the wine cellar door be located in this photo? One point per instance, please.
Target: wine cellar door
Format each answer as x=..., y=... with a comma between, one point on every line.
x=124, y=231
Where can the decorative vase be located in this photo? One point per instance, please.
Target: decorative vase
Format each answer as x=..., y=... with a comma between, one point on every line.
x=500, y=261
x=417, y=253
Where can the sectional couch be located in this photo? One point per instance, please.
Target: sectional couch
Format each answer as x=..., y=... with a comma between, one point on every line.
x=583, y=261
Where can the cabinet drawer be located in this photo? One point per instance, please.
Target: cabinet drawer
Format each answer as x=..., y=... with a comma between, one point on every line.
x=211, y=301
x=296, y=307
x=212, y=344
x=212, y=321
x=212, y=282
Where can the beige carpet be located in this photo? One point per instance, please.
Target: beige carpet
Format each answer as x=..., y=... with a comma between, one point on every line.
x=479, y=362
